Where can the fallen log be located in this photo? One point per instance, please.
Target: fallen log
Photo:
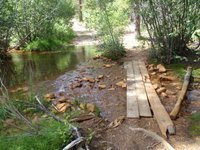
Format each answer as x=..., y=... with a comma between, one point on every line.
x=186, y=82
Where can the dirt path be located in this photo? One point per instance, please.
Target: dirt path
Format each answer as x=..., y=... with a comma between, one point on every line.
x=84, y=35
x=112, y=103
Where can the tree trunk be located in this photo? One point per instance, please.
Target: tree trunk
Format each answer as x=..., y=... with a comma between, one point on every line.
x=137, y=19
x=80, y=10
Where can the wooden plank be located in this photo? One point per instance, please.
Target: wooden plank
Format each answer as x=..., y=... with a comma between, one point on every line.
x=164, y=121
x=132, y=104
x=144, y=109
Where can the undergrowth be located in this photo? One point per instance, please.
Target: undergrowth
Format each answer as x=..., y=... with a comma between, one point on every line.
x=51, y=43
x=52, y=136
x=180, y=70
x=194, y=128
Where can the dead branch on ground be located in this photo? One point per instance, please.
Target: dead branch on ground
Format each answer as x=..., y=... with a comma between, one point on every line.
x=181, y=97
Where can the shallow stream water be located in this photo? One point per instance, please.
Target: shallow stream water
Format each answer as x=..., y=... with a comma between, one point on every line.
x=31, y=68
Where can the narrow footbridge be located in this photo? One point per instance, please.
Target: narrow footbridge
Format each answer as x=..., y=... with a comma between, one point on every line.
x=142, y=99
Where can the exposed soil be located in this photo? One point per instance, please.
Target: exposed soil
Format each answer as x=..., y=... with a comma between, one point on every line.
x=112, y=102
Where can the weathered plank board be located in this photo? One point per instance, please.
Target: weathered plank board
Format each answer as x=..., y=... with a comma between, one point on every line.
x=164, y=121
x=144, y=109
x=132, y=104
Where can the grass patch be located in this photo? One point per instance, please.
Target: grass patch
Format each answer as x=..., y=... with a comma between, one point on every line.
x=194, y=128
x=180, y=70
x=52, y=136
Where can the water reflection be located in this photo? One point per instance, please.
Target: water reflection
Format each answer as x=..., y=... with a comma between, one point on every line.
x=34, y=67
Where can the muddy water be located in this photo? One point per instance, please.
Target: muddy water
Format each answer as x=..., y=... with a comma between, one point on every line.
x=31, y=68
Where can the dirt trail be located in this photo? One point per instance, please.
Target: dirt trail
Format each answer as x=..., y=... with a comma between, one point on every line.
x=113, y=102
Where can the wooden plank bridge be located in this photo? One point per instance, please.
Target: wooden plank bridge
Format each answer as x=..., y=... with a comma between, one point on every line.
x=142, y=99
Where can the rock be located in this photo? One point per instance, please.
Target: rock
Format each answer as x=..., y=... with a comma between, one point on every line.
x=153, y=73
x=111, y=89
x=89, y=79
x=107, y=65
x=121, y=84
x=102, y=86
x=161, y=68
x=193, y=95
x=62, y=107
x=61, y=93
x=163, y=94
x=151, y=65
x=178, y=88
x=90, y=107
x=76, y=85
x=82, y=106
x=151, y=69
x=160, y=90
x=100, y=76
x=97, y=80
x=50, y=96
x=155, y=86
x=168, y=92
x=97, y=57
x=166, y=78
x=62, y=99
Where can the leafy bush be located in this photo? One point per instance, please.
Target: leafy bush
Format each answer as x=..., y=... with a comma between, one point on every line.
x=61, y=34
x=113, y=50
x=170, y=24
x=109, y=19
x=53, y=135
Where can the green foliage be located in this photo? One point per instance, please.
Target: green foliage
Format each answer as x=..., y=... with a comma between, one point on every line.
x=170, y=24
x=42, y=45
x=25, y=21
x=113, y=50
x=178, y=69
x=6, y=23
x=109, y=19
x=194, y=128
x=52, y=135
x=61, y=35
x=3, y=113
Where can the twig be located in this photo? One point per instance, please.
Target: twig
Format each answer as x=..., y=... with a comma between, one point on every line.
x=43, y=108
x=79, y=137
x=73, y=143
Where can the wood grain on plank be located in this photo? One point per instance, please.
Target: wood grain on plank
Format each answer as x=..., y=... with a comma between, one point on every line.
x=144, y=108
x=164, y=121
x=132, y=104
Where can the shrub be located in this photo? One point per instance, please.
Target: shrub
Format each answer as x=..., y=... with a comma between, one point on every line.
x=170, y=24
x=109, y=19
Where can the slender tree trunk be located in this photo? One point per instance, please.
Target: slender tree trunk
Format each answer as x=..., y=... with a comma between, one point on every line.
x=80, y=10
x=137, y=19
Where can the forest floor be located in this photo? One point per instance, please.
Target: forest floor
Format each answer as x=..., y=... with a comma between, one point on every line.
x=112, y=102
